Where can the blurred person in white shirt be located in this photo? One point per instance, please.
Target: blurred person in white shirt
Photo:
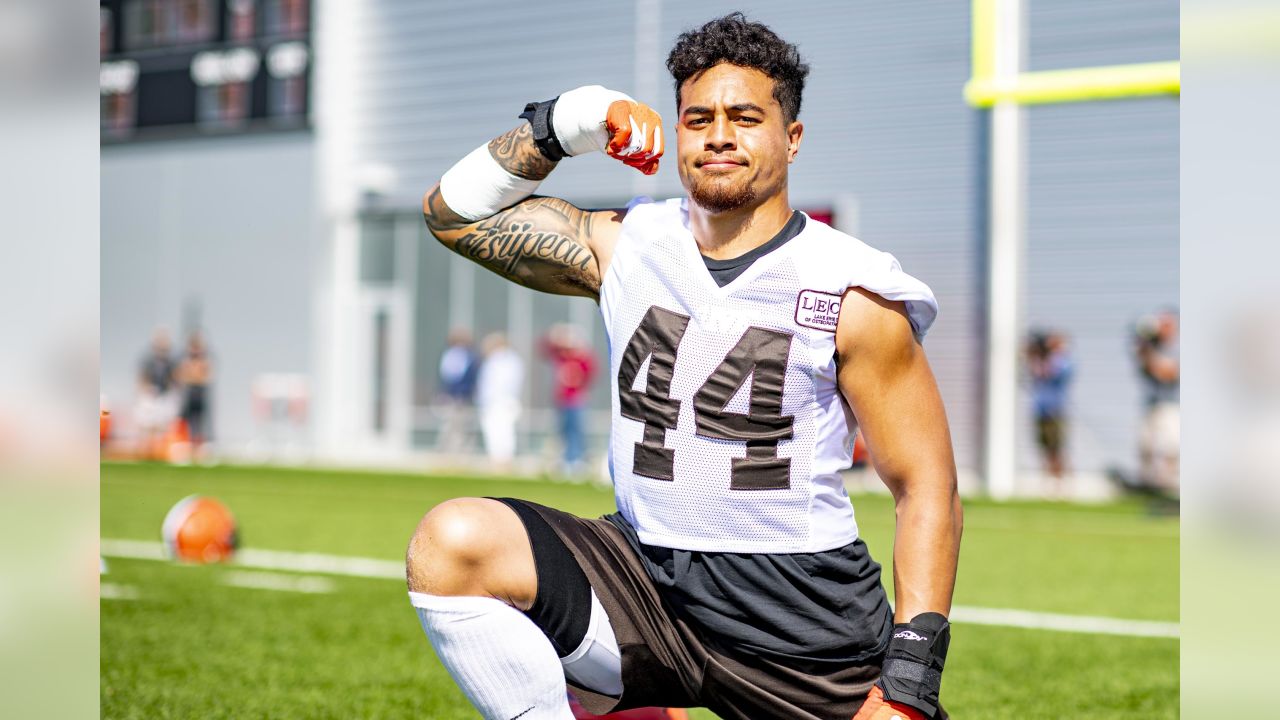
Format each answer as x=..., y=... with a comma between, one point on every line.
x=498, y=391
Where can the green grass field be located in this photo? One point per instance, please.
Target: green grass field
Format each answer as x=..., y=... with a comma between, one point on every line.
x=189, y=644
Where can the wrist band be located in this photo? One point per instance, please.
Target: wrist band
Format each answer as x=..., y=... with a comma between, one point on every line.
x=539, y=115
x=912, y=670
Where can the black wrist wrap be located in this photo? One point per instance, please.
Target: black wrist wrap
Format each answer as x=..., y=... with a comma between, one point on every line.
x=912, y=671
x=539, y=115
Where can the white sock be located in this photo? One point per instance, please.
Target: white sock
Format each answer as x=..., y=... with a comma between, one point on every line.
x=502, y=661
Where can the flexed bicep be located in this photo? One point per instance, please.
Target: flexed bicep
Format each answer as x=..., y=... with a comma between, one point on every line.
x=484, y=208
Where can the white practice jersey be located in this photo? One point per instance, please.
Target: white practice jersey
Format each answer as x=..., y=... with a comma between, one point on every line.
x=729, y=431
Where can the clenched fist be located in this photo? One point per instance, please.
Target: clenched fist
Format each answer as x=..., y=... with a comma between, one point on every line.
x=635, y=135
x=592, y=118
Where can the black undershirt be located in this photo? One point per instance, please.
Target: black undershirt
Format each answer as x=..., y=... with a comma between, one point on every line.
x=726, y=271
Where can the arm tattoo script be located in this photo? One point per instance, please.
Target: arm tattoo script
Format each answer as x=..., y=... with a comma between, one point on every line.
x=534, y=243
x=517, y=154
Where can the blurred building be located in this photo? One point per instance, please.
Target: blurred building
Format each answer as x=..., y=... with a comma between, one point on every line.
x=269, y=171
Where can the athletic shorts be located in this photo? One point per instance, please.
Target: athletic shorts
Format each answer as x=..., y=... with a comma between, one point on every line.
x=666, y=662
x=1049, y=433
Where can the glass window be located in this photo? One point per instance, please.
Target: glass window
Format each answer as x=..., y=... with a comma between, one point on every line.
x=287, y=90
x=193, y=20
x=105, y=29
x=431, y=319
x=140, y=21
x=286, y=17
x=378, y=251
x=381, y=361
x=117, y=88
x=288, y=97
x=154, y=23
x=225, y=80
x=118, y=114
x=242, y=20
x=225, y=105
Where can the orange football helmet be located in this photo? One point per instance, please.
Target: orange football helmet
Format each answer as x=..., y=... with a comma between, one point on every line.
x=200, y=530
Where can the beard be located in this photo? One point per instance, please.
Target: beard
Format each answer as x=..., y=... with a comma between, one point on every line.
x=721, y=194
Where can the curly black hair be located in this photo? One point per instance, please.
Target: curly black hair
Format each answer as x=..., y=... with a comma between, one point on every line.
x=734, y=39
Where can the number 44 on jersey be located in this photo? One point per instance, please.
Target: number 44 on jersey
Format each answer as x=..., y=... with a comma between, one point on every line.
x=760, y=354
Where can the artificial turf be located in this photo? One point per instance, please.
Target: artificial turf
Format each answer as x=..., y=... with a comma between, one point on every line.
x=190, y=645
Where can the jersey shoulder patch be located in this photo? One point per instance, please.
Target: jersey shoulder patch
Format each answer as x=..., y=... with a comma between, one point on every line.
x=818, y=310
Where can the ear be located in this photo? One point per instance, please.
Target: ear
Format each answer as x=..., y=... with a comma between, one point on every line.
x=795, y=131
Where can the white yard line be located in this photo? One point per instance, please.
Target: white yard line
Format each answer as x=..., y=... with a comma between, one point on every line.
x=271, y=560
x=111, y=591
x=316, y=562
x=1063, y=623
x=133, y=549
x=390, y=570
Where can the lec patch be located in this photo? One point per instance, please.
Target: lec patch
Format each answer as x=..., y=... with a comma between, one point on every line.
x=817, y=310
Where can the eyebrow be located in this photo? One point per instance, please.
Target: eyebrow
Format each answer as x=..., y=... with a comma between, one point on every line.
x=740, y=107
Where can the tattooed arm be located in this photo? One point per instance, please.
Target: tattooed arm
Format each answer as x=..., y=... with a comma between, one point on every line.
x=543, y=243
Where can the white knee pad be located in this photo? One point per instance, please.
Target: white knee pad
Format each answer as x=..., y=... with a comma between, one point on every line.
x=597, y=663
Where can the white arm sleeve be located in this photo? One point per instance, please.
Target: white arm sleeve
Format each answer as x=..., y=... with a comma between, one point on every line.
x=477, y=186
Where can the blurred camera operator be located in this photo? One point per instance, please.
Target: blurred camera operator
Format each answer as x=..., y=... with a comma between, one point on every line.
x=1156, y=350
x=1050, y=367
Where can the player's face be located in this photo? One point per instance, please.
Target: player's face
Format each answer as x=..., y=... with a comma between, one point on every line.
x=733, y=142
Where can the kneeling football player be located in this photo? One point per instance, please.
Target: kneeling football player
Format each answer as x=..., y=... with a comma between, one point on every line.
x=749, y=343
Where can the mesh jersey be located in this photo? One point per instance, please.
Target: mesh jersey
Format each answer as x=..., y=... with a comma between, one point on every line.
x=729, y=430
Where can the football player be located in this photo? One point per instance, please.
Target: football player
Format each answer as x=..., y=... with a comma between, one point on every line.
x=749, y=342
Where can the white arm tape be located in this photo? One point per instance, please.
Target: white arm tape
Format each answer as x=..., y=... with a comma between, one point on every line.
x=579, y=115
x=477, y=186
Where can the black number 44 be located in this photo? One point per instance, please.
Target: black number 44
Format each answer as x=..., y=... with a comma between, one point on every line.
x=760, y=354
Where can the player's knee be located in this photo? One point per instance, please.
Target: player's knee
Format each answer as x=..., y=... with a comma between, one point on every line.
x=453, y=546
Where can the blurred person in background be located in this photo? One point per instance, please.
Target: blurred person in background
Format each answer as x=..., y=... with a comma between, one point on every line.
x=156, y=407
x=572, y=368
x=745, y=338
x=1050, y=367
x=458, y=368
x=104, y=420
x=499, y=388
x=1156, y=351
x=195, y=375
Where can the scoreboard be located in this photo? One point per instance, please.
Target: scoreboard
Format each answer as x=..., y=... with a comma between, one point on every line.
x=182, y=68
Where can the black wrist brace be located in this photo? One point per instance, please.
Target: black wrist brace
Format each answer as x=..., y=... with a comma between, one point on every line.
x=912, y=671
x=539, y=115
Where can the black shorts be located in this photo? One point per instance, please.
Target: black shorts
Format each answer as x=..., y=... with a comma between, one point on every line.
x=1049, y=433
x=666, y=662
x=195, y=412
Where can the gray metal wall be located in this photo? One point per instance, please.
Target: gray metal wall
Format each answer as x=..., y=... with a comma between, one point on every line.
x=222, y=223
x=1102, y=220
x=438, y=79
